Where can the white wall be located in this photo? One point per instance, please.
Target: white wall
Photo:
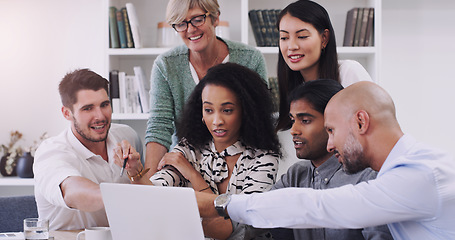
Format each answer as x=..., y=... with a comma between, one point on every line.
x=42, y=40
x=418, y=67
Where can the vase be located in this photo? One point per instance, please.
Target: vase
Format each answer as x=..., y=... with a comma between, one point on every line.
x=8, y=165
x=24, y=167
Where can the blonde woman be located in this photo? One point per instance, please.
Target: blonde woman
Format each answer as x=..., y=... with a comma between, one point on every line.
x=176, y=72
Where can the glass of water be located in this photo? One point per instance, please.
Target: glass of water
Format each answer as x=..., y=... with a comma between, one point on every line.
x=36, y=229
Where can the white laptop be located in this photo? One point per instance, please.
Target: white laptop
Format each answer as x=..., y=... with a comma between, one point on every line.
x=151, y=212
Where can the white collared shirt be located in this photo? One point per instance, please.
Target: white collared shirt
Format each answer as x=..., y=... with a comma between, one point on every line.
x=63, y=156
x=414, y=193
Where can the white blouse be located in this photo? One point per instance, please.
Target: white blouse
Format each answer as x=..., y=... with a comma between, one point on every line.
x=254, y=171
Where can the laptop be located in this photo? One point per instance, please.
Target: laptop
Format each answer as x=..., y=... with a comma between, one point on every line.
x=151, y=212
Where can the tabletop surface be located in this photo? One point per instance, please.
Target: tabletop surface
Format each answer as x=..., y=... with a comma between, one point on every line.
x=65, y=234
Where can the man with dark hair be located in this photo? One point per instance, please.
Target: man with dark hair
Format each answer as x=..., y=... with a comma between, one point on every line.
x=69, y=167
x=414, y=192
x=322, y=171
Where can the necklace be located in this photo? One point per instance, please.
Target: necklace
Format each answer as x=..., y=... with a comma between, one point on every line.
x=202, y=70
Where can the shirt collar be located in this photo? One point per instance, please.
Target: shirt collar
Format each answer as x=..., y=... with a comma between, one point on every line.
x=328, y=168
x=216, y=162
x=401, y=147
x=81, y=149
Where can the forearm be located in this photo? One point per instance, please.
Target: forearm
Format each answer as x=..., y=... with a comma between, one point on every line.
x=153, y=155
x=206, y=205
x=218, y=228
x=82, y=194
x=198, y=183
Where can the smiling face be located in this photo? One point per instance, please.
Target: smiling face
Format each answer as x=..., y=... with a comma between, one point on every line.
x=90, y=116
x=301, y=45
x=222, y=114
x=308, y=132
x=198, y=38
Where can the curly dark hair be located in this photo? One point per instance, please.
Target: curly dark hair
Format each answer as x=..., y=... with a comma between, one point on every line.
x=257, y=128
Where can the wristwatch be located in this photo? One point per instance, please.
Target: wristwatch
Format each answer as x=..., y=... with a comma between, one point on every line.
x=221, y=203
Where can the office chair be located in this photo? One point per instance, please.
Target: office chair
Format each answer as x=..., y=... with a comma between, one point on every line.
x=13, y=210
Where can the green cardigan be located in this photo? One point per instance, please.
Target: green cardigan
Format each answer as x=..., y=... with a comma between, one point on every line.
x=172, y=83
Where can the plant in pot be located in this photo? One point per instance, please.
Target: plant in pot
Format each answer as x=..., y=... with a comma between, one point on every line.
x=11, y=153
x=24, y=165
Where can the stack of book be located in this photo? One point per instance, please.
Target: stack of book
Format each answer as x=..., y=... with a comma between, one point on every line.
x=129, y=93
x=124, y=27
x=263, y=23
x=274, y=91
x=359, y=27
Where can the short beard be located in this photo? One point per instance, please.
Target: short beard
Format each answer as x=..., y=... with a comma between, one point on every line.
x=354, y=158
x=88, y=138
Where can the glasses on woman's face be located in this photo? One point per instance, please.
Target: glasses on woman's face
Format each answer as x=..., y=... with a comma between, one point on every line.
x=195, y=21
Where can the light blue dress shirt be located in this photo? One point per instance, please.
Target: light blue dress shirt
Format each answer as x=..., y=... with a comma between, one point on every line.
x=414, y=193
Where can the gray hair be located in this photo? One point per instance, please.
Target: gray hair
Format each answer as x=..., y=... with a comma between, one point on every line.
x=178, y=9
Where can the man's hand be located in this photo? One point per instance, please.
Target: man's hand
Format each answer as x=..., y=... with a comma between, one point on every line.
x=123, y=151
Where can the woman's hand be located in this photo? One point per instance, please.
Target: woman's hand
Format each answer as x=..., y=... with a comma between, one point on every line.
x=179, y=162
x=123, y=151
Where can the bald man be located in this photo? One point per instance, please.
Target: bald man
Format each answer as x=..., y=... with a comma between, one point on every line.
x=414, y=192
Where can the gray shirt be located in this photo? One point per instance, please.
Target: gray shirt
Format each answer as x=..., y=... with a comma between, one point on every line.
x=329, y=175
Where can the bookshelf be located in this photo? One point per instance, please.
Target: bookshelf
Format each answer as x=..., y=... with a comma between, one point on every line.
x=150, y=13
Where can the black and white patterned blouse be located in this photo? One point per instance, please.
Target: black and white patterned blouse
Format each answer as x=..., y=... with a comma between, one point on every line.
x=254, y=171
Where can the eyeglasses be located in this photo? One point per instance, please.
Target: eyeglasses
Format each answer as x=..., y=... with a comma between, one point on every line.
x=195, y=21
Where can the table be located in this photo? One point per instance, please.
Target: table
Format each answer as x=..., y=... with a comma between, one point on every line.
x=65, y=234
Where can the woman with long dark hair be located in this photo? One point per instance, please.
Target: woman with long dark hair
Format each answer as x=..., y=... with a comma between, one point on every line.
x=308, y=52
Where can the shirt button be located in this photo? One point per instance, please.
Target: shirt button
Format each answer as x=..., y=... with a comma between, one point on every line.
x=326, y=180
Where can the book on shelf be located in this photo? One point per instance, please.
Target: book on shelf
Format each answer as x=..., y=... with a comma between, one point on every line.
x=275, y=27
x=113, y=32
x=359, y=27
x=121, y=29
x=263, y=28
x=269, y=25
x=363, y=27
x=120, y=35
x=275, y=94
x=134, y=105
x=122, y=92
x=370, y=26
x=349, y=31
x=129, y=100
x=114, y=93
x=252, y=15
x=134, y=25
x=129, y=35
x=143, y=88
x=263, y=24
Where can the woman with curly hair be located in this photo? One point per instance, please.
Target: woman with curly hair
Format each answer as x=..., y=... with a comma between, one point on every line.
x=227, y=144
